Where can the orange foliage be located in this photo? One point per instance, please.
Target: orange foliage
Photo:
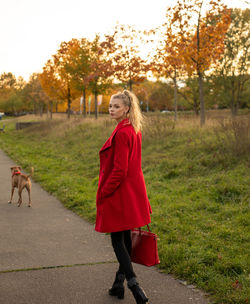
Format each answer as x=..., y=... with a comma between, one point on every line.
x=128, y=66
x=193, y=41
x=202, y=43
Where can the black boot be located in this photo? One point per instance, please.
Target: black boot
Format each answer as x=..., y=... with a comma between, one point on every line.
x=137, y=291
x=118, y=287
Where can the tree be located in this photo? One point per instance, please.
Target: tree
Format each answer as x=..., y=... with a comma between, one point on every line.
x=161, y=96
x=11, y=99
x=168, y=61
x=201, y=37
x=34, y=94
x=62, y=60
x=56, y=80
x=7, y=81
x=233, y=70
x=143, y=91
x=51, y=84
x=129, y=67
x=101, y=69
x=154, y=95
x=79, y=66
x=190, y=93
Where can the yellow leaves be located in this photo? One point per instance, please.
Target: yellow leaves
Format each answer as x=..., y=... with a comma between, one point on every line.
x=196, y=45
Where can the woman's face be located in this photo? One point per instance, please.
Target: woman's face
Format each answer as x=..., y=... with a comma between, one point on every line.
x=117, y=109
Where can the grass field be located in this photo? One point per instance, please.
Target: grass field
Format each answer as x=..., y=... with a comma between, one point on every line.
x=197, y=182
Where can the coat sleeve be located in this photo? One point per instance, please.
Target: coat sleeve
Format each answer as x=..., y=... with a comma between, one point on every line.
x=120, y=165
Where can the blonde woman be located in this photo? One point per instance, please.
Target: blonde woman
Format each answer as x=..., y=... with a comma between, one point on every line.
x=122, y=202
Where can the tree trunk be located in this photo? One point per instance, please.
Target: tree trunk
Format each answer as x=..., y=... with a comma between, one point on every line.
x=175, y=97
x=34, y=108
x=69, y=103
x=130, y=84
x=199, y=72
x=233, y=106
x=41, y=110
x=84, y=101
x=196, y=107
x=234, y=110
x=238, y=95
x=13, y=108
x=96, y=105
x=51, y=109
x=202, y=103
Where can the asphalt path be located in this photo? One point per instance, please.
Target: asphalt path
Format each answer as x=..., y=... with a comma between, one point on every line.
x=49, y=255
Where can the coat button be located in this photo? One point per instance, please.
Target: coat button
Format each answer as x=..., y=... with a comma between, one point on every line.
x=102, y=171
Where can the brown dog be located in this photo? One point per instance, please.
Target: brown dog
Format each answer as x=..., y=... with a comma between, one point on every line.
x=20, y=181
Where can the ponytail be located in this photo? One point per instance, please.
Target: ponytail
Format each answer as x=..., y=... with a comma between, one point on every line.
x=134, y=113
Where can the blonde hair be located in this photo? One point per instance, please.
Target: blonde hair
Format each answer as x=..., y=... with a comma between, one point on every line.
x=134, y=113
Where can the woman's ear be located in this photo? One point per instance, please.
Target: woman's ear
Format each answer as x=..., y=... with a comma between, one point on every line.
x=127, y=110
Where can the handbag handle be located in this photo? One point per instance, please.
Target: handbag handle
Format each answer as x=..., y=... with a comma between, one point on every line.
x=147, y=227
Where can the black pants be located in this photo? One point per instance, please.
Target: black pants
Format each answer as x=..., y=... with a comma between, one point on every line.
x=121, y=242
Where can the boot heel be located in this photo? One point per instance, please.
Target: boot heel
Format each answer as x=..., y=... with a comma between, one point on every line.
x=120, y=293
x=117, y=289
x=117, y=292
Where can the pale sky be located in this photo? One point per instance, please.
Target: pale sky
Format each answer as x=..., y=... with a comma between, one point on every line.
x=32, y=30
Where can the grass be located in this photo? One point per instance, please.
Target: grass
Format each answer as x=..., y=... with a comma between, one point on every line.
x=197, y=182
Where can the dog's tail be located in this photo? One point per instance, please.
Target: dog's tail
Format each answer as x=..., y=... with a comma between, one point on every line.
x=31, y=173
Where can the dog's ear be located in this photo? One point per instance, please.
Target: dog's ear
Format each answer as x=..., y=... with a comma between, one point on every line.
x=15, y=167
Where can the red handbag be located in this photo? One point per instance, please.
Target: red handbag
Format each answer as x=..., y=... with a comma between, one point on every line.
x=144, y=247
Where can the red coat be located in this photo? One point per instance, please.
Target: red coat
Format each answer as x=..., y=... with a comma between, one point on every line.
x=121, y=199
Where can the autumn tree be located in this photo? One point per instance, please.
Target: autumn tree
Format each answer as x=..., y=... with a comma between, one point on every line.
x=78, y=66
x=51, y=84
x=232, y=73
x=129, y=67
x=201, y=37
x=7, y=81
x=55, y=78
x=101, y=69
x=143, y=92
x=62, y=60
x=11, y=93
x=168, y=61
x=161, y=96
x=34, y=94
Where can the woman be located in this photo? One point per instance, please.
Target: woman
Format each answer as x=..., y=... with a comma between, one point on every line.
x=122, y=202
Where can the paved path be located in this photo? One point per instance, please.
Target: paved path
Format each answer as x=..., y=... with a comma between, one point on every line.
x=49, y=255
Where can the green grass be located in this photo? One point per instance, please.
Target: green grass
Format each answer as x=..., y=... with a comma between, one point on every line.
x=197, y=182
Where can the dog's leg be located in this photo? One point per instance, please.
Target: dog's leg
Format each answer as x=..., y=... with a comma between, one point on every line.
x=12, y=192
x=28, y=187
x=20, y=189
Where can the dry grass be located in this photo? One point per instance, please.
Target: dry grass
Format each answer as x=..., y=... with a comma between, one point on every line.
x=227, y=135
x=221, y=132
x=235, y=135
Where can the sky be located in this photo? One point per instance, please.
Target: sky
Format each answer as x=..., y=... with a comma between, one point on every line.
x=31, y=30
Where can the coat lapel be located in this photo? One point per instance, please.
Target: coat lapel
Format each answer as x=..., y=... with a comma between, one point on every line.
x=108, y=143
